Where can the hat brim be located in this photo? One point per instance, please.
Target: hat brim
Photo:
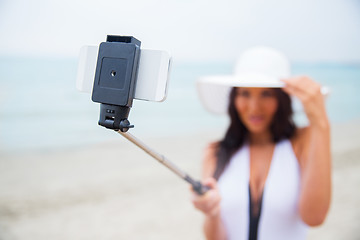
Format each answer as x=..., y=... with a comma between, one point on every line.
x=214, y=90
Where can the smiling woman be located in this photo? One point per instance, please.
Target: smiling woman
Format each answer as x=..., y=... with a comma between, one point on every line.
x=256, y=107
x=268, y=179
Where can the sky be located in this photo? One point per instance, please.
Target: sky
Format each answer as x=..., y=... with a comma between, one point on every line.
x=191, y=30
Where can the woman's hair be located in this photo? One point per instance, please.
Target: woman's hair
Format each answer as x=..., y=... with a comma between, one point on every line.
x=282, y=127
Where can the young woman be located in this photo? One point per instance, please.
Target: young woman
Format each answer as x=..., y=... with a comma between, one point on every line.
x=268, y=178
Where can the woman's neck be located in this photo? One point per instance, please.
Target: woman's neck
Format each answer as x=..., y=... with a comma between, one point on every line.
x=262, y=138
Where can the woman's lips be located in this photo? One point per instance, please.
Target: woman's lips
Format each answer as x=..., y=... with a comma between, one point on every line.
x=256, y=119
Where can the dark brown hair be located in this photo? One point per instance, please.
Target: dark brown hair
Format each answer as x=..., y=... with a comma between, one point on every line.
x=282, y=127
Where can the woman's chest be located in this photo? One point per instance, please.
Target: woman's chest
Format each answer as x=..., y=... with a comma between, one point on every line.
x=260, y=159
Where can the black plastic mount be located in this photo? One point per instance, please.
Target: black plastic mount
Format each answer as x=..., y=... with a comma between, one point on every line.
x=115, y=80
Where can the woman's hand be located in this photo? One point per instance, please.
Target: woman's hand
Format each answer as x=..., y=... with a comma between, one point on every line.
x=209, y=203
x=309, y=93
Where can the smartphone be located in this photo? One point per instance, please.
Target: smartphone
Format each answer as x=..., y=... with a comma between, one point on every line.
x=152, y=76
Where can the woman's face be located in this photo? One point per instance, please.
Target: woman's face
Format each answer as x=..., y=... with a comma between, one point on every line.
x=256, y=107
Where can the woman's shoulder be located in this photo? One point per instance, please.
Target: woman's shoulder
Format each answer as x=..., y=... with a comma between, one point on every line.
x=209, y=160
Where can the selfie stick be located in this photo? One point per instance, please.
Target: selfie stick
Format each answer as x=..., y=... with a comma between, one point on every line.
x=114, y=87
x=197, y=186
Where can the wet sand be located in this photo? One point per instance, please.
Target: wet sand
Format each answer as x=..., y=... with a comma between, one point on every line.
x=114, y=190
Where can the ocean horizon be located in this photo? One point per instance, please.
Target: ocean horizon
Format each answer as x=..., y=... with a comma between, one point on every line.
x=40, y=108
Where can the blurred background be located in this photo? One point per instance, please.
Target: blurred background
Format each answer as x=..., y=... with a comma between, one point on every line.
x=64, y=177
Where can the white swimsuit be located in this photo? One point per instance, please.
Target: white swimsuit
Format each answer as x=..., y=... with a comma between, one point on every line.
x=279, y=219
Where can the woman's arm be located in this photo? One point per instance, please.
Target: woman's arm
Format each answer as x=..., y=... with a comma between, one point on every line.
x=209, y=203
x=315, y=157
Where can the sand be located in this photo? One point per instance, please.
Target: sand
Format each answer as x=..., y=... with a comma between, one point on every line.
x=114, y=190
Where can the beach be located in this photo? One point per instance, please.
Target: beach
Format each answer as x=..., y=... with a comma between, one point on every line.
x=62, y=176
x=114, y=190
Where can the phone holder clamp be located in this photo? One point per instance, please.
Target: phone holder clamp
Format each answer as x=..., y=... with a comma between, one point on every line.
x=115, y=80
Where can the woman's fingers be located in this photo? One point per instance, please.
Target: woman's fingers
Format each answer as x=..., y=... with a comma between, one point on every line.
x=209, y=203
x=294, y=91
x=302, y=87
x=210, y=182
x=296, y=86
x=206, y=202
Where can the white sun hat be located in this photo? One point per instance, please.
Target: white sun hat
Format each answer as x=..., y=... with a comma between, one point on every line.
x=257, y=67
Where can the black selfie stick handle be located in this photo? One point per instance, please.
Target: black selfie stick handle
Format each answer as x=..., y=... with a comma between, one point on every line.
x=197, y=186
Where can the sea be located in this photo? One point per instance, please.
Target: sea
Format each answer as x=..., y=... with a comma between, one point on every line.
x=41, y=109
